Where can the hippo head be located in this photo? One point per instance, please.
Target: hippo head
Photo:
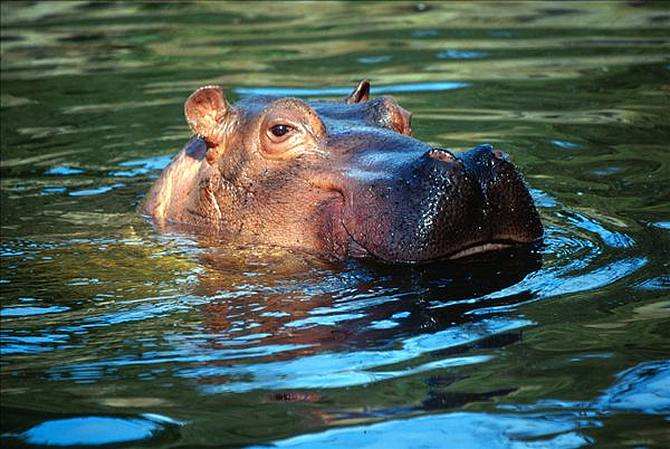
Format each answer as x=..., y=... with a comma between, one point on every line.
x=339, y=179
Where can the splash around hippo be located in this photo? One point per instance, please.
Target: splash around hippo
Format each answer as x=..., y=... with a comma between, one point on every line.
x=338, y=179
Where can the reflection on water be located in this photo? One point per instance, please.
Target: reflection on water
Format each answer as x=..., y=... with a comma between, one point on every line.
x=114, y=333
x=644, y=388
x=462, y=430
x=93, y=430
x=332, y=91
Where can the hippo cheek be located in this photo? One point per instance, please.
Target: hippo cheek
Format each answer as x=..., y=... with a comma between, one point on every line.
x=327, y=222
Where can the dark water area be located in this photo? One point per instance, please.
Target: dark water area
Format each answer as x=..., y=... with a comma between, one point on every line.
x=114, y=333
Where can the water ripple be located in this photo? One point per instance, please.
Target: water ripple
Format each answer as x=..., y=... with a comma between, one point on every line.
x=463, y=430
x=340, y=369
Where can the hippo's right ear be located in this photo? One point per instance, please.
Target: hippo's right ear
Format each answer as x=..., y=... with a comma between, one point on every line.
x=205, y=111
x=361, y=93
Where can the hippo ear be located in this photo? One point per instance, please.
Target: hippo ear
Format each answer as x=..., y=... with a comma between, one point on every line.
x=360, y=93
x=205, y=110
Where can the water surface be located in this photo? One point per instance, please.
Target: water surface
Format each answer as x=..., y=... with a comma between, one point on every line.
x=113, y=333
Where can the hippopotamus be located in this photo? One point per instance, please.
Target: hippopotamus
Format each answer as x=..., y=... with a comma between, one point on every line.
x=339, y=179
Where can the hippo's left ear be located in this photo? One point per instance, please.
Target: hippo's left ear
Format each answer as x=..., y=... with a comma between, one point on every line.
x=361, y=93
x=205, y=111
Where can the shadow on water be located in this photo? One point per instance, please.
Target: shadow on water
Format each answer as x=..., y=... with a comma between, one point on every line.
x=116, y=335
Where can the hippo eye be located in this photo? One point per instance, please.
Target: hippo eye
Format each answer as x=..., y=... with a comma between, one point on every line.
x=280, y=130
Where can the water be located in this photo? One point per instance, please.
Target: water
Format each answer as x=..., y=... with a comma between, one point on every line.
x=114, y=333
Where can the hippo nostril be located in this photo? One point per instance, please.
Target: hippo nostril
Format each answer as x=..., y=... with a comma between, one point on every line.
x=441, y=154
x=498, y=154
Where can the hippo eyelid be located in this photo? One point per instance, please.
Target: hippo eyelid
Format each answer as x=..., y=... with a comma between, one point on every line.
x=289, y=131
x=281, y=129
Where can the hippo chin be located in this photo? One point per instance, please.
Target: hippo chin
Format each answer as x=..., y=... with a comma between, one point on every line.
x=338, y=179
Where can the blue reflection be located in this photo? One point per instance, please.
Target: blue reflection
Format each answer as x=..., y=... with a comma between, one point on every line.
x=91, y=431
x=461, y=54
x=50, y=190
x=129, y=173
x=327, y=91
x=325, y=320
x=455, y=430
x=150, y=163
x=550, y=283
x=373, y=59
x=30, y=344
x=611, y=238
x=343, y=369
x=656, y=283
x=383, y=324
x=606, y=171
x=30, y=311
x=644, y=388
x=95, y=191
x=64, y=170
x=564, y=144
x=543, y=199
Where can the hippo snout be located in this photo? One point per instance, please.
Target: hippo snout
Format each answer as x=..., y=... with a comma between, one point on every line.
x=510, y=214
x=445, y=205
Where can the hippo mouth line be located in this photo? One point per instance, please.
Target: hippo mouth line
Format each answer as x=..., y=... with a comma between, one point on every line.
x=359, y=250
x=480, y=248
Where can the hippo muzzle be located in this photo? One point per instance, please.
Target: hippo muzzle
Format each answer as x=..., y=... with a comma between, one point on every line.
x=339, y=179
x=443, y=205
